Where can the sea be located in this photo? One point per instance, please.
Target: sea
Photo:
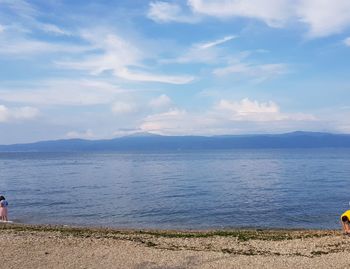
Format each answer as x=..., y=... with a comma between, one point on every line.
x=216, y=189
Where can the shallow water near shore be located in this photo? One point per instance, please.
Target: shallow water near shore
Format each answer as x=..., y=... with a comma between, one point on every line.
x=280, y=188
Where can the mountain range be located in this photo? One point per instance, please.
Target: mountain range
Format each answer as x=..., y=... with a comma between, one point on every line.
x=152, y=142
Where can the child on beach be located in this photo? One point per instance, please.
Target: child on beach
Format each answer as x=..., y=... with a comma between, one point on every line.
x=345, y=221
x=3, y=209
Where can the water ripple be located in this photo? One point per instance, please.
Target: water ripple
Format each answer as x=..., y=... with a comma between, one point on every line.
x=210, y=189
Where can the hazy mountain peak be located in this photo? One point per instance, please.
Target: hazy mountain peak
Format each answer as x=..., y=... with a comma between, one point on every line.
x=142, y=134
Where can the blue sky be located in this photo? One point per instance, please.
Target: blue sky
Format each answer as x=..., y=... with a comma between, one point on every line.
x=101, y=69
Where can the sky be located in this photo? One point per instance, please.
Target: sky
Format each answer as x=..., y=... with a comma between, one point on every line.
x=98, y=69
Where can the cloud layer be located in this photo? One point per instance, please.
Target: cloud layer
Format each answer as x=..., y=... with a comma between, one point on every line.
x=122, y=57
x=322, y=17
x=226, y=117
x=17, y=113
x=105, y=69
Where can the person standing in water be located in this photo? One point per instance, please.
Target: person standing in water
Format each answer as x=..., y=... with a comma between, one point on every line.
x=3, y=209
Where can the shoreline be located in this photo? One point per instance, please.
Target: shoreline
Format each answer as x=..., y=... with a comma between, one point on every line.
x=53, y=246
x=250, y=233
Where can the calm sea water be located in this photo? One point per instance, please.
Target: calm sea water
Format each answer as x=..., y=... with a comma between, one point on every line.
x=208, y=189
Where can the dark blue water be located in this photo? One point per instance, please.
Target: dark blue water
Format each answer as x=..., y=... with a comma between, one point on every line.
x=210, y=189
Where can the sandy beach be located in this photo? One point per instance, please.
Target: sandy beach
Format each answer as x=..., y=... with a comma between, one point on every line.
x=25, y=246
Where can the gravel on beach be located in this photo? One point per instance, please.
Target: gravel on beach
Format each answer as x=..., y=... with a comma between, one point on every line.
x=25, y=246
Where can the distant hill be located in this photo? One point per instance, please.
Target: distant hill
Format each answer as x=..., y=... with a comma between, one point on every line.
x=149, y=142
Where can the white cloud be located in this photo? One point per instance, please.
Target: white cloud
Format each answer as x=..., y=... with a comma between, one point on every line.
x=126, y=132
x=15, y=41
x=195, y=55
x=17, y=113
x=26, y=112
x=324, y=17
x=62, y=92
x=166, y=122
x=4, y=113
x=121, y=57
x=117, y=54
x=347, y=41
x=27, y=15
x=181, y=122
x=148, y=77
x=20, y=7
x=272, y=12
x=51, y=28
x=227, y=117
x=260, y=72
x=21, y=36
x=252, y=110
x=2, y=28
x=103, y=50
x=204, y=52
x=163, y=12
x=24, y=47
x=88, y=134
x=248, y=107
x=216, y=42
x=162, y=101
x=121, y=108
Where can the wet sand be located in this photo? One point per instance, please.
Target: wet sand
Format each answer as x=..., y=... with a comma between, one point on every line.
x=25, y=246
